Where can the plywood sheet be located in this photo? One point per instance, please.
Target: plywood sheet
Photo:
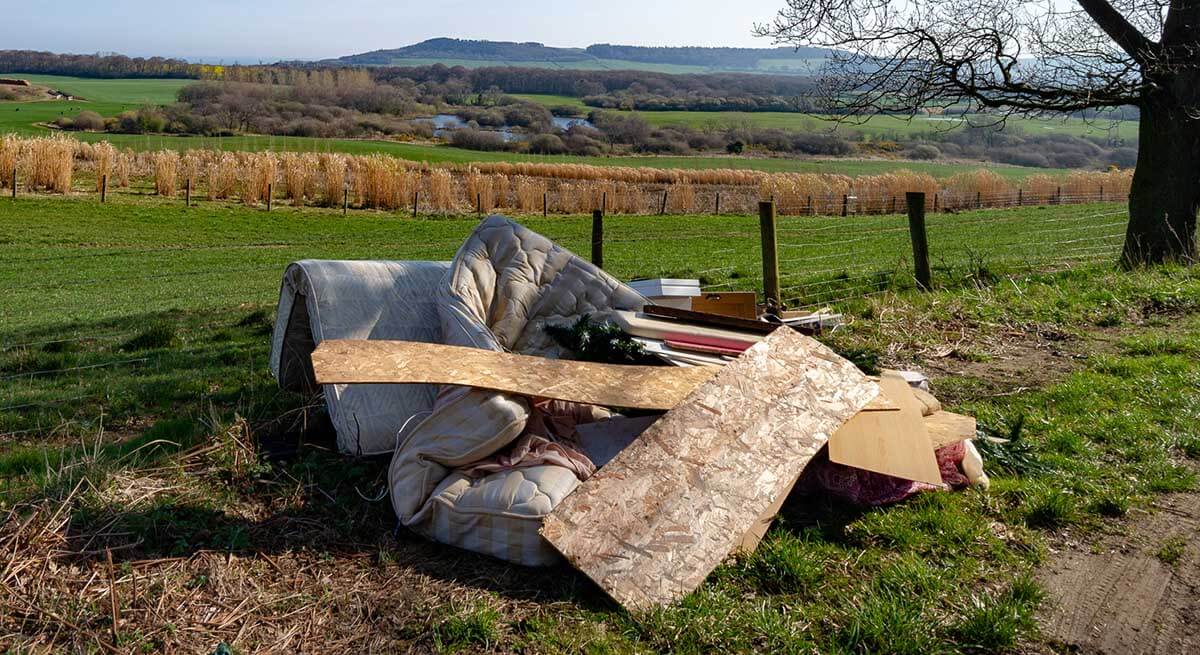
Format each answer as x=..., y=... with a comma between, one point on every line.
x=947, y=427
x=651, y=524
x=893, y=443
x=641, y=387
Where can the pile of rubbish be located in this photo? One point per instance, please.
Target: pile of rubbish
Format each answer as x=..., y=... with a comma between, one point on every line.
x=536, y=409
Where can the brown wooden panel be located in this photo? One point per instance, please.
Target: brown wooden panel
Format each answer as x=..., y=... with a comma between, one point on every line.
x=893, y=443
x=738, y=304
x=651, y=524
x=641, y=387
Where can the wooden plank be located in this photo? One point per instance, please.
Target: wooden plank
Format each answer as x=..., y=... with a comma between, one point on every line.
x=651, y=525
x=893, y=443
x=946, y=428
x=409, y=362
x=709, y=319
x=739, y=304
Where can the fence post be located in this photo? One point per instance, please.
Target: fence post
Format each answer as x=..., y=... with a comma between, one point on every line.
x=718, y=208
x=416, y=201
x=1058, y=196
x=770, y=255
x=1101, y=193
x=893, y=211
x=479, y=203
x=845, y=204
x=103, y=187
x=603, y=202
x=270, y=194
x=545, y=204
x=1020, y=197
x=811, y=210
x=978, y=200
x=187, y=192
x=14, y=183
x=935, y=203
x=598, y=238
x=663, y=210
x=916, y=232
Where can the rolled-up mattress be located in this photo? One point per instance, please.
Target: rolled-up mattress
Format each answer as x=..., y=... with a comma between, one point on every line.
x=322, y=299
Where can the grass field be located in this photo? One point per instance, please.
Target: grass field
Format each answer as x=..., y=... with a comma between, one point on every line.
x=136, y=405
x=126, y=91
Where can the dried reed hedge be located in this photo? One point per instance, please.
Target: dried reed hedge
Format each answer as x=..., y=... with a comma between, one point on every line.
x=383, y=182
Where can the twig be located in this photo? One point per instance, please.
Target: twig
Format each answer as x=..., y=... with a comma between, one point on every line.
x=112, y=598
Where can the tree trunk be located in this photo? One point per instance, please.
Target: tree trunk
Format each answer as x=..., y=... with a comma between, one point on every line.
x=1166, y=185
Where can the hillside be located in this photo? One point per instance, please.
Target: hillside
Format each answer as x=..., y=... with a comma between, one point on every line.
x=462, y=52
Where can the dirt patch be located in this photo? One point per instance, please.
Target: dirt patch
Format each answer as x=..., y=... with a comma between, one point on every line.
x=1129, y=593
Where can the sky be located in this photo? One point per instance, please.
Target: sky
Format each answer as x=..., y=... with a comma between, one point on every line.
x=268, y=30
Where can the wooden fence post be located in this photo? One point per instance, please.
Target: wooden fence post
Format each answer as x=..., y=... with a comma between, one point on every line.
x=14, y=183
x=545, y=204
x=187, y=192
x=1058, y=196
x=920, y=244
x=479, y=203
x=770, y=255
x=103, y=187
x=1020, y=197
x=598, y=238
x=978, y=200
x=845, y=204
x=811, y=210
x=717, y=210
x=603, y=202
x=270, y=194
x=416, y=201
x=1101, y=193
x=935, y=203
x=661, y=210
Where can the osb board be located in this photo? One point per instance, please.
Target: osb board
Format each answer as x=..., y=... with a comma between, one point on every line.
x=947, y=427
x=650, y=525
x=640, y=387
x=893, y=443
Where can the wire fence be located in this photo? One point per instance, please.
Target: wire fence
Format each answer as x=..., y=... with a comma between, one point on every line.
x=69, y=313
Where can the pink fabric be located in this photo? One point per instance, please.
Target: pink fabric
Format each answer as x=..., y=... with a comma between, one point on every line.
x=873, y=489
x=548, y=438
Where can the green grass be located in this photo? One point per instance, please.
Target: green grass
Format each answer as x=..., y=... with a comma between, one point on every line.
x=129, y=91
x=176, y=306
x=236, y=253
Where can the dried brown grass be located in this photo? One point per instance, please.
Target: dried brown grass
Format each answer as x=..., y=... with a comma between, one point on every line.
x=384, y=182
x=166, y=172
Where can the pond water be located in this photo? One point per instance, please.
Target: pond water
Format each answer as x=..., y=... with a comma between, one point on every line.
x=565, y=123
x=443, y=124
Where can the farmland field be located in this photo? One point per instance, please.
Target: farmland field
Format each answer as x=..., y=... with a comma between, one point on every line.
x=878, y=125
x=110, y=97
x=137, y=406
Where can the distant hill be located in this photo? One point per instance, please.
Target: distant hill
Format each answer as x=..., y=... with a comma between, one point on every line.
x=603, y=56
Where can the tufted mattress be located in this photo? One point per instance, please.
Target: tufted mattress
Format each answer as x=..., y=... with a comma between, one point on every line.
x=505, y=284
